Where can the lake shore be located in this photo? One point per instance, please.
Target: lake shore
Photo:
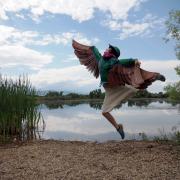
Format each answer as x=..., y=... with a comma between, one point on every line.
x=50, y=159
x=42, y=99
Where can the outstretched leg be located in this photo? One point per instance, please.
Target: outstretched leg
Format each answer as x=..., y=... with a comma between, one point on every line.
x=119, y=127
x=111, y=119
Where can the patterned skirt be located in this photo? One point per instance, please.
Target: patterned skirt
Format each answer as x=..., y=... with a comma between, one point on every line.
x=124, y=82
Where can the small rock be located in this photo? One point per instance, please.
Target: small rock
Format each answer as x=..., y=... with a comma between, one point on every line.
x=150, y=146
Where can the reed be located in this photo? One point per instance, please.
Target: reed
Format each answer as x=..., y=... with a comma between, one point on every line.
x=19, y=114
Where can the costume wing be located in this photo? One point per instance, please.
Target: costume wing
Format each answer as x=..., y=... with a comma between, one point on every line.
x=86, y=57
x=135, y=76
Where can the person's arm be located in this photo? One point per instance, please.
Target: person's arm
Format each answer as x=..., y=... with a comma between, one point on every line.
x=96, y=53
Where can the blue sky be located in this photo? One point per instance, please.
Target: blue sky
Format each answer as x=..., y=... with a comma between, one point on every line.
x=35, y=38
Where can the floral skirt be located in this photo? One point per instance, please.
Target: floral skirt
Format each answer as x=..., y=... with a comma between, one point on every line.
x=123, y=82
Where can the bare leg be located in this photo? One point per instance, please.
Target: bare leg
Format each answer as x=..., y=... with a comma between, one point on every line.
x=111, y=119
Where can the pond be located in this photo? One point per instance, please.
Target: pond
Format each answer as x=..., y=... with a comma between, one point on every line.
x=83, y=120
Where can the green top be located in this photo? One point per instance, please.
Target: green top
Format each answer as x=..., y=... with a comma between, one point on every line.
x=106, y=65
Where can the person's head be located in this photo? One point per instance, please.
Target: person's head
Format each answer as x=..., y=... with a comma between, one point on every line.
x=111, y=51
x=114, y=50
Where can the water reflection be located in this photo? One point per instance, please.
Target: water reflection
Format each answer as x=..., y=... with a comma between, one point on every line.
x=60, y=104
x=23, y=125
x=78, y=120
x=98, y=104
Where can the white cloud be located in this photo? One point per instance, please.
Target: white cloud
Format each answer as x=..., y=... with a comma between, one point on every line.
x=10, y=35
x=78, y=79
x=70, y=78
x=14, y=53
x=118, y=9
x=64, y=38
x=3, y=14
x=14, y=50
x=159, y=65
x=79, y=10
x=129, y=30
x=21, y=56
x=21, y=16
x=138, y=28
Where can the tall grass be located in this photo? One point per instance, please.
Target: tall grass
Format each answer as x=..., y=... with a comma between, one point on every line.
x=19, y=114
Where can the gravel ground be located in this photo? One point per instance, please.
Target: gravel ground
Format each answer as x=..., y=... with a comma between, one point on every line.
x=49, y=159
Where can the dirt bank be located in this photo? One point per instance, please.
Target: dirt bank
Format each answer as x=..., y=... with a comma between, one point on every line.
x=50, y=159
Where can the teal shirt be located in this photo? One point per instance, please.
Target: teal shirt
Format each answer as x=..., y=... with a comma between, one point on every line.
x=106, y=65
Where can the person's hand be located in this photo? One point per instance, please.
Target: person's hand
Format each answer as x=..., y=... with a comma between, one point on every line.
x=137, y=62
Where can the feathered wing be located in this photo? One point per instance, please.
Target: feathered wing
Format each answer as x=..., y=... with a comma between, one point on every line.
x=86, y=57
x=135, y=76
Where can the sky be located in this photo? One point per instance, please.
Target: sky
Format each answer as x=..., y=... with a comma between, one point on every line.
x=36, y=38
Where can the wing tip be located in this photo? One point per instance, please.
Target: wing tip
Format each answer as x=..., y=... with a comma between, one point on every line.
x=74, y=43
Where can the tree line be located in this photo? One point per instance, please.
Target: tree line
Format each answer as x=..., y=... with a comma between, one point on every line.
x=98, y=94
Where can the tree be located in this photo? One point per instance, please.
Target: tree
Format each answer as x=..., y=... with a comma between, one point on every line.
x=96, y=94
x=54, y=94
x=173, y=91
x=173, y=32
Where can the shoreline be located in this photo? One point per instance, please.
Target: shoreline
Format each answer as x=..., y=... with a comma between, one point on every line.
x=45, y=99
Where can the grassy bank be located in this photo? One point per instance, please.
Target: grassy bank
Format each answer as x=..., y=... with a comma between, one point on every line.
x=19, y=114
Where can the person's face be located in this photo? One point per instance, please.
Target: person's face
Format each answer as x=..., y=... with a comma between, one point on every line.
x=108, y=50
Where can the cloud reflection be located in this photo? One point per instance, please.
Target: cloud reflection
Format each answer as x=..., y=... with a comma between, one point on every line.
x=85, y=122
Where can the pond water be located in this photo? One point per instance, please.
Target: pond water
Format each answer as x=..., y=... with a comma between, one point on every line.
x=83, y=120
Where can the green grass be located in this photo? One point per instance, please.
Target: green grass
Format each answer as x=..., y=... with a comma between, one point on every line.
x=19, y=114
x=163, y=137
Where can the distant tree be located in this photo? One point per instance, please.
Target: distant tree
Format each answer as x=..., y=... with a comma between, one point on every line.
x=73, y=95
x=142, y=94
x=96, y=94
x=54, y=94
x=61, y=93
x=173, y=32
x=173, y=91
x=146, y=94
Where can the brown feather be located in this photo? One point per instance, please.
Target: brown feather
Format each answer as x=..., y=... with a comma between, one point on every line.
x=86, y=57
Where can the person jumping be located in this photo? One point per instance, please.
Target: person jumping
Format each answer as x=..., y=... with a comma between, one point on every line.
x=121, y=78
